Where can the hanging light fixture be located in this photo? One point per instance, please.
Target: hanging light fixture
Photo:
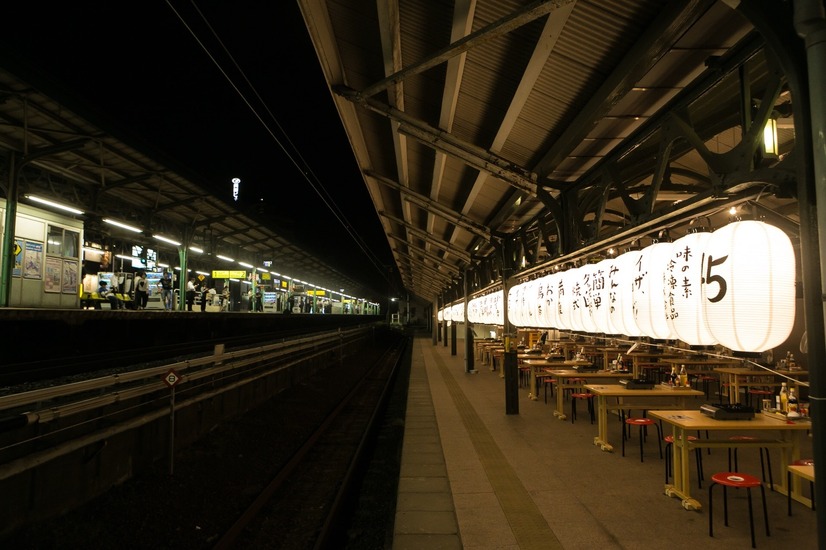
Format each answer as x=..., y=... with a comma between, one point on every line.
x=564, y=284
x=682, y=289
x=749, y=286
x=587, y=296
x=771, y=148
x=549, y=310
x=621, y=296
x=601, y=297
x=649, y=306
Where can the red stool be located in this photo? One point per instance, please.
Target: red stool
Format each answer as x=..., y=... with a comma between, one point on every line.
x=574, y=382
x=706, y=380
x=762, y=465
x=738, y=481
x=524, y=376
x=698, y=454
x=588, y=397
x=548, y=382
x=643, y=423
x=801, y=462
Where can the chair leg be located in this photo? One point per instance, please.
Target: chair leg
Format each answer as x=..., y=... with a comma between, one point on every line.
x=711, y=510
x=751, y=518
x=765, y=510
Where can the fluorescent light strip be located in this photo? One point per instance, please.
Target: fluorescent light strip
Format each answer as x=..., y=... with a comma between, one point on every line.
x=196, y=249
x=225, y=258
x=244, y=264
x=122, y=225
x=166, y=240
x=53, y=204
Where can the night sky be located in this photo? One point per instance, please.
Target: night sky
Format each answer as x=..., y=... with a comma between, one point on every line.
x=225, y=89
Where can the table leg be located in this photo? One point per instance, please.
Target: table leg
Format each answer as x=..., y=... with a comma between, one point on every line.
x=532, y=394
x=602, y=424
x=682, y=473
x=560, y=402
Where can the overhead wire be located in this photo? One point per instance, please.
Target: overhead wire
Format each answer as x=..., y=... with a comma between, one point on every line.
x=303, y=167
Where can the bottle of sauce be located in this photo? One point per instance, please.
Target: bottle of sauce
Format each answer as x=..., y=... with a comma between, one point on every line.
x=792, y=402
x=784, y=398
x=683, y=377
x=673, y=380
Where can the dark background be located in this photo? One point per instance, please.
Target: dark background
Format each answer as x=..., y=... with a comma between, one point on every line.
x=224, y=89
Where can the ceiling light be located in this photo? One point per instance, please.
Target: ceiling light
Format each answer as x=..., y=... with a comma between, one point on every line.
x=770, y=145
x=196, y=249
x=166, y=240
x=122, y=225
x=225, y=258
x=54, y=204
x=244, y=264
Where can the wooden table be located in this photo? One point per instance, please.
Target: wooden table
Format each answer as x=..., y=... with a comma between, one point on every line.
x=562, y=375
x=539, y=367
x=685, y=421
x=738, y=377
x=638, y=357
x=794, y=473
x=699, y=365
x=659, y=397
x=609, y=353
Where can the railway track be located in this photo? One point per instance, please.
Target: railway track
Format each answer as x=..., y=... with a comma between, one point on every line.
x=304, y=451
x=309, y=501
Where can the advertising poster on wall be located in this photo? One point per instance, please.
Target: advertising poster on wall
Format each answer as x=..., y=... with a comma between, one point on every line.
x=51, y=279
x=33, y=260
x=70, y=277
x=18, y=257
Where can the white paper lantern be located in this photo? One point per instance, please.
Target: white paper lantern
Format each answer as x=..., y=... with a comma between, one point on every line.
x=564, y=294
x=548, y=297
x=683, y=292
x=599, y=304
x=749, y=286
x=457, y=312
x=619, y=295
x=586, y=282
x=649, y=305
x=513, y=301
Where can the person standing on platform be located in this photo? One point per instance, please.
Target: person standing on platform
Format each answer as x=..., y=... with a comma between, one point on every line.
x=225, y=297
x=141, y=291
x=190, y=294
x=204, y=296
x=166, y=290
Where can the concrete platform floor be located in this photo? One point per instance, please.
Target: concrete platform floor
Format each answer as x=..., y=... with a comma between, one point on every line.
x=475, y=477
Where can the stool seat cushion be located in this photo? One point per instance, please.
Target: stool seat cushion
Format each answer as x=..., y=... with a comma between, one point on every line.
x=735, y=479
x=639, y=421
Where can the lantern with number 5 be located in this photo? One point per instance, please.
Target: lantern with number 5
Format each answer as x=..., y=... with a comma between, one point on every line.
x=749, y=286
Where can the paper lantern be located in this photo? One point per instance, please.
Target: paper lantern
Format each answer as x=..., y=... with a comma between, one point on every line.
x=547, y=295
x=563, y=307
x=749, y=286
x=535, y=303
x=583, y=310
x=570, y=299
x=683, y=292
x=649, y=305
x=600, y=297
x=620, y=310
x=457, y=312
x=513, y=308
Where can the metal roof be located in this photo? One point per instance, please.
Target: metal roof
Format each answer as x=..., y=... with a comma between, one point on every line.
x=63, y=156
x=505, y=137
